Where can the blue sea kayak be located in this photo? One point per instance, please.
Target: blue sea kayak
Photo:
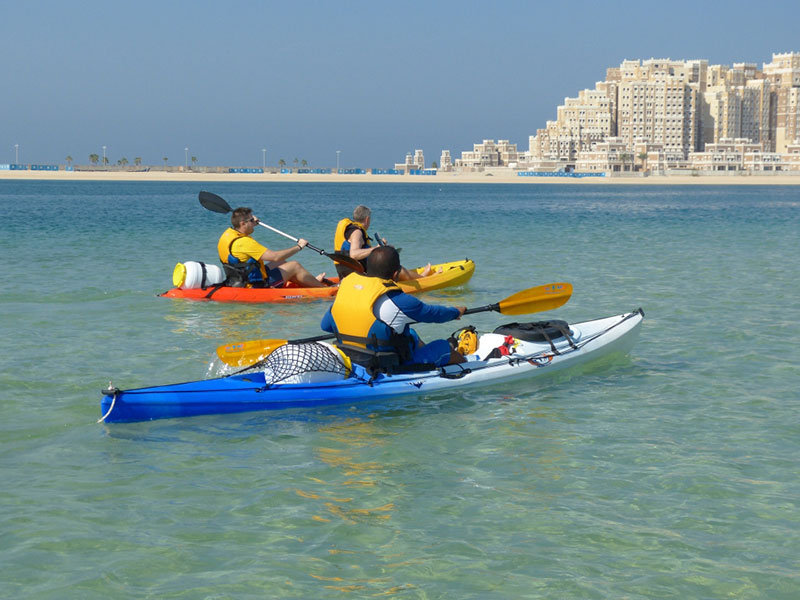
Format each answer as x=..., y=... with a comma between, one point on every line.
x=499, y=358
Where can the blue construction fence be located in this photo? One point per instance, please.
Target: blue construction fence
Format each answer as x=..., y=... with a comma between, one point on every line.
x=287, y=171
x=352, y=171
x=14, y=167
x=557, y=174
x=422, y=172
x=387, y=172
x=244, y=170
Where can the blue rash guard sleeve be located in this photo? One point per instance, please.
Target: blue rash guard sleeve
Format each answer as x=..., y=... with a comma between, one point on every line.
x=327, y=323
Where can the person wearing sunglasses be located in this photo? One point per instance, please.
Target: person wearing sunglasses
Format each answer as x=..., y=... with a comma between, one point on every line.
x=248, y=263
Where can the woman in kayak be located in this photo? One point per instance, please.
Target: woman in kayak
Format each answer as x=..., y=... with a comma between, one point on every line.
x=249, y=263
x=371, y=312
x=351, y=238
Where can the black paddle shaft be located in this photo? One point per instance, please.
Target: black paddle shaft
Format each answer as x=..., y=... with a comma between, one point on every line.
x=495, y=307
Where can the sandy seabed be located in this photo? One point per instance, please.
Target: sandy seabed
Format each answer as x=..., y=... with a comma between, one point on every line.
x=440, y=178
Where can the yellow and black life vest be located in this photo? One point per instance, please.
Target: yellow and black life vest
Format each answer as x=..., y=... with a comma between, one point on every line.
x=352, y=309
x=238, y=273
x=225, y=242
x=339, y=238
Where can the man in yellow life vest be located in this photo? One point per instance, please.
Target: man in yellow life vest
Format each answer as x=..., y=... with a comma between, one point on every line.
x=351, y=238
x=246, y=262
x=372, y=312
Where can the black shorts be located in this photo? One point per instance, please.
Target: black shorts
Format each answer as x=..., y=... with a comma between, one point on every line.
x=275, y=278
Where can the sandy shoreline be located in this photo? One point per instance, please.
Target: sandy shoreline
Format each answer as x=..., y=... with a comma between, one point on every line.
x=440, y=178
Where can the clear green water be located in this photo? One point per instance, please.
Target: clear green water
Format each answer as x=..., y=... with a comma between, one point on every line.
x=671, y=474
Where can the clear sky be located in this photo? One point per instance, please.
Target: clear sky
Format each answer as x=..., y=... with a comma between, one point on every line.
x=372, y=79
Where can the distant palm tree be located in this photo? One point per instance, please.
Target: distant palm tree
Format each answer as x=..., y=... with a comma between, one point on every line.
x=94, y=159
x=69, y=160
x=194, y=160
x=295, y=162
x=434, y=165
x=137, y=161
x=624, y=157
x=642, y=156
x=304, y=162
x=282, y=163
x=105, y=160
x=122, y=161
x=165, y=159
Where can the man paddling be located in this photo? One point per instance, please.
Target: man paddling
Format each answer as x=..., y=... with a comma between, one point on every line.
x=247, y=262
x=351, y=238
x=372, y=312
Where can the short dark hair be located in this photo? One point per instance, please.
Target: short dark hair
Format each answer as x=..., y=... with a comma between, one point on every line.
x=240, y=214
x=383, y=262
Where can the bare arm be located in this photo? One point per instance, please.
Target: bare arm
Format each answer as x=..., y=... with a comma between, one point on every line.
x=357, y=248
x=282, y=255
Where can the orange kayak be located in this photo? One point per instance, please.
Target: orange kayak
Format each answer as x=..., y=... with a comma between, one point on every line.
x=450, y=274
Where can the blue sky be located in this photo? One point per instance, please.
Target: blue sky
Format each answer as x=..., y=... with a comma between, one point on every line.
x=371, y=79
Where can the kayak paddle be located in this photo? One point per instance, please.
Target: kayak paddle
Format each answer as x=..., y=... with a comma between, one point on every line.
x=214, y=203
x=532, y=300
x=244, y=354
x=535, y=299
x=380, y=241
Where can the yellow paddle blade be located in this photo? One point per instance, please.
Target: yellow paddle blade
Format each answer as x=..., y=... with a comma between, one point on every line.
x=536, y=299
x=244, y=354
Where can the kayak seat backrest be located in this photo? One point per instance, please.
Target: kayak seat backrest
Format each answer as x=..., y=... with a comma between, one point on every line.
x=374, y=362
x=536, y=331
x=234, y=277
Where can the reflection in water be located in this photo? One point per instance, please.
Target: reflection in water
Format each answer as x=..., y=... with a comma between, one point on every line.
x=355, y=435
x=349, y=500
x=219, y=320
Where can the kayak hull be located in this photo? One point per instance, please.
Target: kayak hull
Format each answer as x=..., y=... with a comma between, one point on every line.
x=444, y=275
x=591, y=340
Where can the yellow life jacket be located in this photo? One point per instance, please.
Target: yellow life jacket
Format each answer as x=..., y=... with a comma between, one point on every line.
x=339, y=238
x=224, y=245
x=352, y=309
x=249, y=272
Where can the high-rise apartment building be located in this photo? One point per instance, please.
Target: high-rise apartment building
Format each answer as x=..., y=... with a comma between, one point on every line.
x=679, y=107
x=581, y=122
x=784, y=73
x=737, y=103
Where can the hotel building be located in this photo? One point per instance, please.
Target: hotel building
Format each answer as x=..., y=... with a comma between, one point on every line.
x=661, y=114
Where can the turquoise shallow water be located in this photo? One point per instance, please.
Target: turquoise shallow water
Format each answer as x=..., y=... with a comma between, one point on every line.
x=670, y=474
